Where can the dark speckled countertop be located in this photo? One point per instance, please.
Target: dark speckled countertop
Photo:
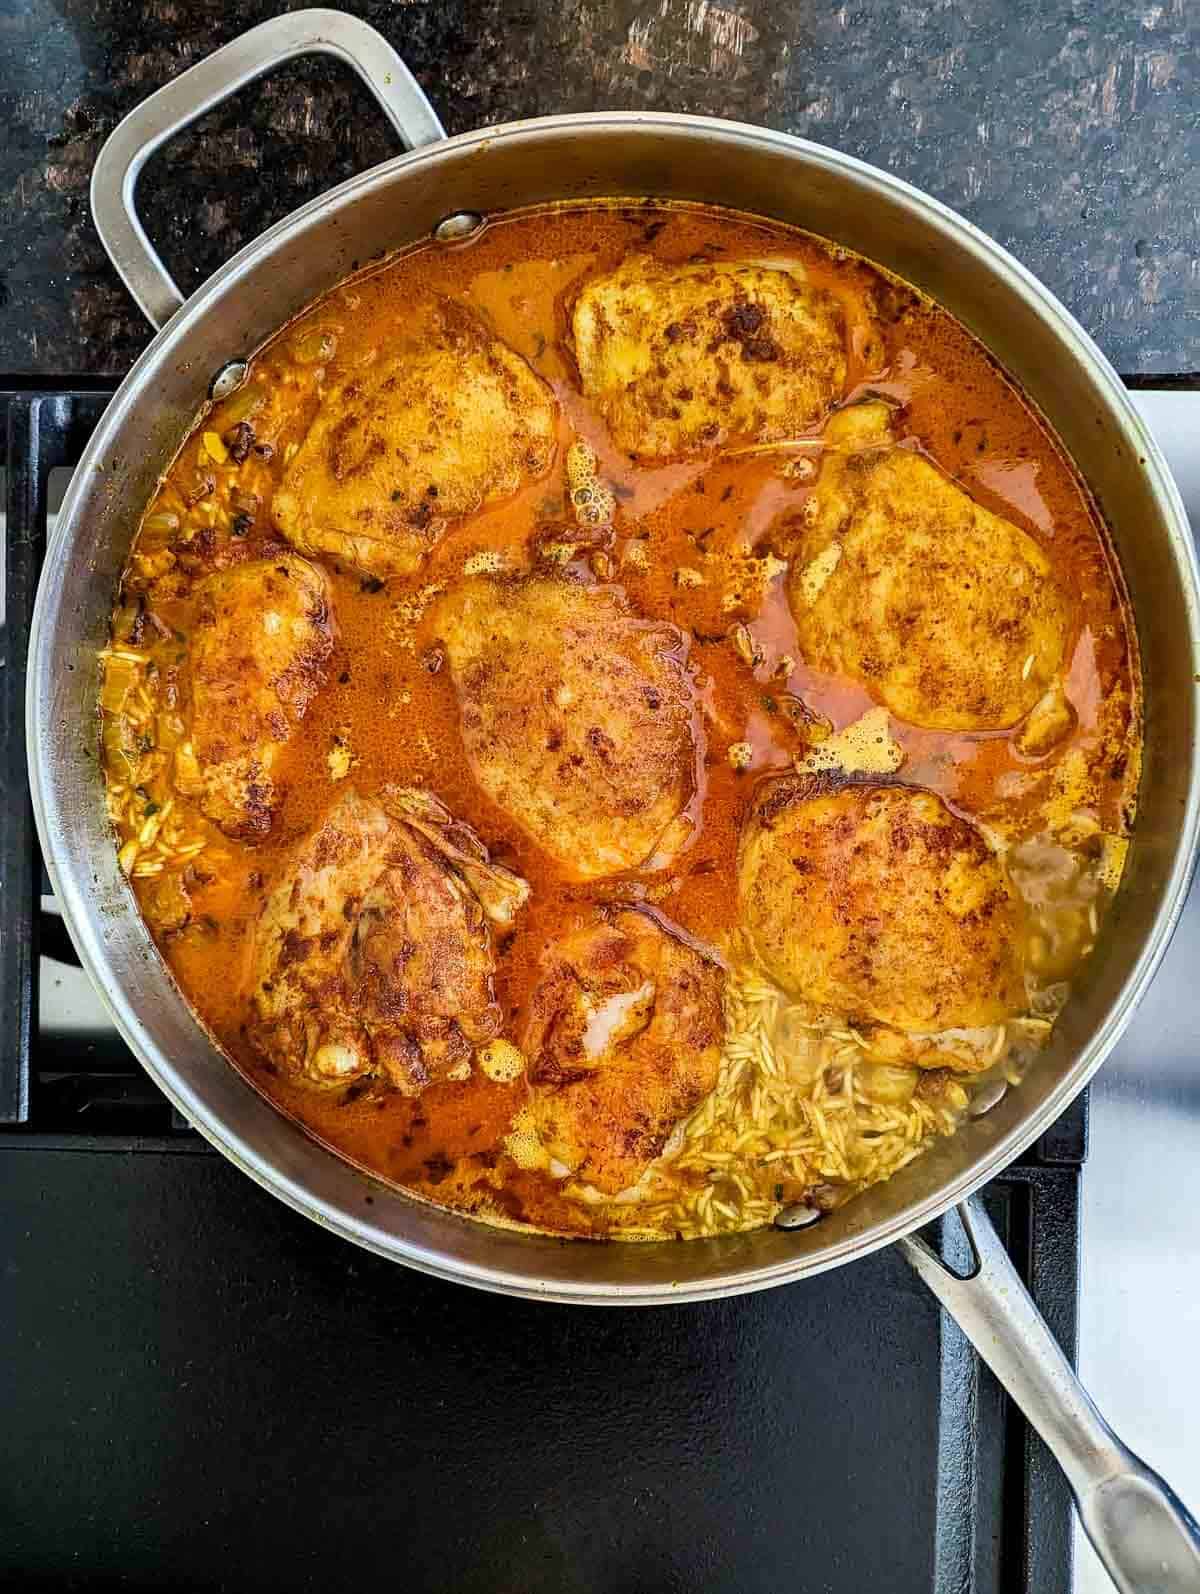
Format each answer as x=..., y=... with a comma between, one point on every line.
x=1069, y=131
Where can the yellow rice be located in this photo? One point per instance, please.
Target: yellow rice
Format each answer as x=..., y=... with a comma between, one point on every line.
x=791, y=1112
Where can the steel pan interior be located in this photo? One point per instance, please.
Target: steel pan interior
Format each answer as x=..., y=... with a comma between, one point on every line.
x=573, y=157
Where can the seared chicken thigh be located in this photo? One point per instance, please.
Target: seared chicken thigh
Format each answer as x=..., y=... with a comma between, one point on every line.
x=446, y=420
x=878, y=902
x=373, y=955
x=946, y=613
x=262, y=638
x=623, y=1039
x=680, y=358
x=577, y=717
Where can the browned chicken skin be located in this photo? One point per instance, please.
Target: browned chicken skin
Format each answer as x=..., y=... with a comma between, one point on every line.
x=623, y=1038
x=578, y=718
x=680, y=358
x=447, y=420
x=652, y=426
x=263, y=635
x=946, y=613
x=879, y=902
x=373, y=954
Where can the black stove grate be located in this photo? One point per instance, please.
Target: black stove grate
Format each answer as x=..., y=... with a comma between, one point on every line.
x=42, y=432
x=661, y=1450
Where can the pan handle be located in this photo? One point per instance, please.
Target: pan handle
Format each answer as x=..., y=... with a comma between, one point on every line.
x=176, y=104
x=1141, y=1530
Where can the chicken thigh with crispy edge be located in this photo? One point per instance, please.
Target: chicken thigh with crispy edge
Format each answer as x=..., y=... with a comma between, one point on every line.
x=680, y=358
x=946, y=613
x=257, y=656
x=373, y=954
x=878, y=902
x=578, y=718
x=447, y=419
x=623, y=1040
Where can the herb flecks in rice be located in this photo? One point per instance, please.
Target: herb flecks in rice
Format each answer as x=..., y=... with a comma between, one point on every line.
x=156, y=830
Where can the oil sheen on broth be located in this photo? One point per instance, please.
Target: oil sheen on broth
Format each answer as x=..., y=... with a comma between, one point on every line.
x=624, y=723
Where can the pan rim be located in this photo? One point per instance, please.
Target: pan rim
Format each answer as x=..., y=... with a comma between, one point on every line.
x=988, y=256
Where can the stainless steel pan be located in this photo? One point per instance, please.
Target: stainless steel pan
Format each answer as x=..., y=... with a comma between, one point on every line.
x=1138, y=1526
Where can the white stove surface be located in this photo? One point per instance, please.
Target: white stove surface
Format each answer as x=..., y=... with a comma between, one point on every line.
x=1139, y=1308
x=1140, y=1296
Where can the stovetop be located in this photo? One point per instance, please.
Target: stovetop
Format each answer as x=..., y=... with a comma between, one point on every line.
x=203, y=1388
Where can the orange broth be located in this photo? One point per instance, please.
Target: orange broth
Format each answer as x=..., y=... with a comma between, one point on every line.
x=717, y=518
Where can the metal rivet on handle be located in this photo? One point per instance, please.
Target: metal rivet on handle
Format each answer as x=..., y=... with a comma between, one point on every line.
x=987, y=1096
x=228, y=379
x=455, y=229
x=797, y=1216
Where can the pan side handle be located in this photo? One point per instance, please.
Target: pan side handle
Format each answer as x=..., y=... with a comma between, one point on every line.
x=1141, y=1530
x=192, y=93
